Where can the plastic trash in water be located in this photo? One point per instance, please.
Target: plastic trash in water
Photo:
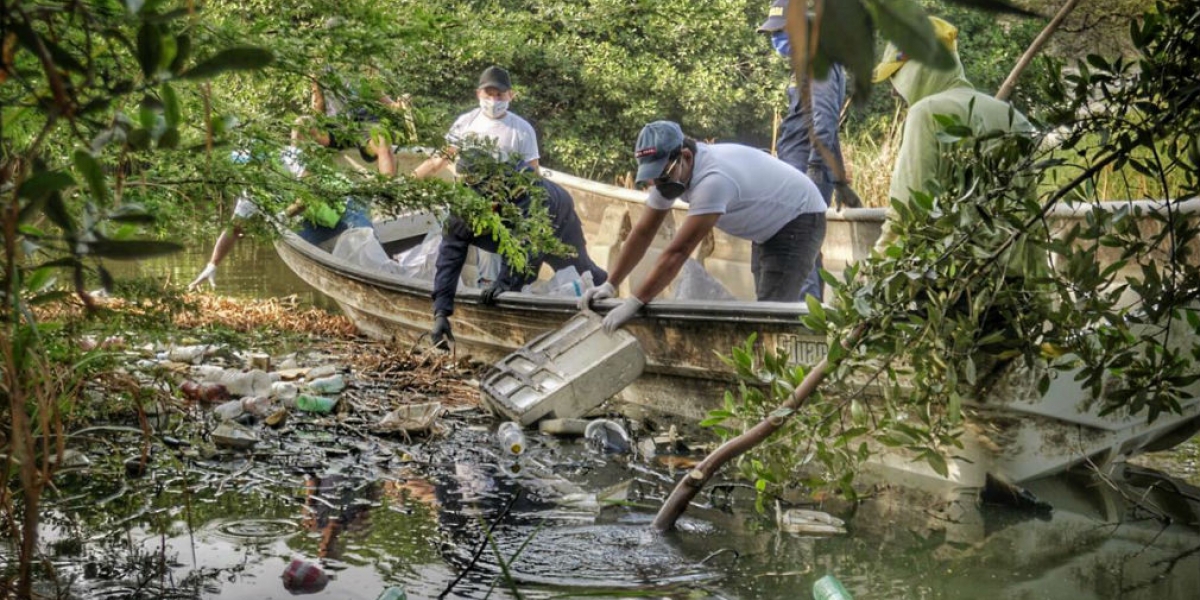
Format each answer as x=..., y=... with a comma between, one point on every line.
x=187, y=354
x=315, y=404
x=809, y=522
x=284, y=391
x=511, y=438
x=230, y=410
x=608, y=437
x=259, y=406
x=393, y=593
x=829, y=588
x=328, y=385
x=233, y=435
x=412, y=418
x=204, y=392
x=321, y=371
x=249, y=383
x=303, y=577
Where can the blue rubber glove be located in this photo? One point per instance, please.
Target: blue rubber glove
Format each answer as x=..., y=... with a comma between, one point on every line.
x=622, y=314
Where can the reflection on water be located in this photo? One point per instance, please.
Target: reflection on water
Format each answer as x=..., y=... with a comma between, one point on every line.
x=251, y=270
x=375, y=513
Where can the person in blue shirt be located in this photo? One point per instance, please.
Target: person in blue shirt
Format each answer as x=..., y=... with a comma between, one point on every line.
x=794, y=145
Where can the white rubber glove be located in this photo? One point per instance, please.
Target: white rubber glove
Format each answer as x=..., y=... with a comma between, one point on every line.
x=622, y=314
x=600, y=292
x=209, y=273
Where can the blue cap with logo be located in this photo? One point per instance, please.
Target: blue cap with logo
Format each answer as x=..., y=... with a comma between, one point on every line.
x=657, y=142
x=775, y=17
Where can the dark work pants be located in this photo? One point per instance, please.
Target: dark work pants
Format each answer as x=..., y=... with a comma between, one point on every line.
x=782, y=263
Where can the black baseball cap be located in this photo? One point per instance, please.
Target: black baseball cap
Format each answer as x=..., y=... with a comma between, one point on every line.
x=657, y=142
x=495, y=77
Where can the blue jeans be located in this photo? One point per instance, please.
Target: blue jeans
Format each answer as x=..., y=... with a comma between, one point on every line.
x=356, y=215
x=795, y=147
x=781, y=264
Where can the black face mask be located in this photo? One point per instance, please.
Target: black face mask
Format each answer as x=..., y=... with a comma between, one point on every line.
x=671, y=189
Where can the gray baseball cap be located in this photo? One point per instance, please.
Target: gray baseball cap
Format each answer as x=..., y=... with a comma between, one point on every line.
x=657, y=142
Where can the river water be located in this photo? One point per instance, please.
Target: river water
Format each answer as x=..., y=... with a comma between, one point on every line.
x=386, y=512
x=251, y=270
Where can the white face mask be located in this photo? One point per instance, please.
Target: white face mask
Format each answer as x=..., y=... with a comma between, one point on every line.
x=493, y=109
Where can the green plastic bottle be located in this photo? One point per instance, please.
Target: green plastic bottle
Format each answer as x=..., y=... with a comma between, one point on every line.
x=829, y=588
x=393, y=593
x=315, y=404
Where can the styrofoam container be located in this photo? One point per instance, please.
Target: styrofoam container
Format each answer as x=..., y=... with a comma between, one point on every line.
x=564, y=373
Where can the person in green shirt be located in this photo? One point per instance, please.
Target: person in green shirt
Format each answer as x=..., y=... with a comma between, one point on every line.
x=928, y=92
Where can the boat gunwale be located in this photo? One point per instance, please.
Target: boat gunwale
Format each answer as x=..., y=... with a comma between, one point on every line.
x=739, y=311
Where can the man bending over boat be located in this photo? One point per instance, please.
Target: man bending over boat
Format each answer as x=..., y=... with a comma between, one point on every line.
x=740, y=190
x=458, y=235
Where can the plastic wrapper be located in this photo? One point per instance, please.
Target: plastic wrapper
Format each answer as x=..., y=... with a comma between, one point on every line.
x=359, y=246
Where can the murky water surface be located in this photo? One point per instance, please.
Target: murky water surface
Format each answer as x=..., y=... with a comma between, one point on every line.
x=252, y=270
x=452, y=517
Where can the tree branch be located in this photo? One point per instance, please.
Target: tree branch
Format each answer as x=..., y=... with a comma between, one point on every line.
x=694, y=480
x=1010, y=82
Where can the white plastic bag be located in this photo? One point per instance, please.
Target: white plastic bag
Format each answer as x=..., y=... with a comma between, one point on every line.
x=694, y=283
x=565, y=282
x=359, y=246
x=420, y=261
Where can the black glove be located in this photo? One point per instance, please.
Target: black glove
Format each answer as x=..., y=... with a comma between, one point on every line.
x=488, y=296
x=441, y=335
x=844, y=196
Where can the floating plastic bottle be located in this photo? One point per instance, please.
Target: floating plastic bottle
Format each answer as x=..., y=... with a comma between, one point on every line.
x=315, y=404
x=511, y=438
x=284, y=391
x=231, y=410
x=259, y=406
x=829, y=588
x=608, y=437
x=186, y=354
x=204, y=392
x=393, y=593
x=250, y=383
x=328, y=385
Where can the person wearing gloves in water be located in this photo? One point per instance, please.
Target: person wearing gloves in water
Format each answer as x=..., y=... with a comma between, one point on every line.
x=458, y=235
x=323, y=222
x=930, y=92
x=740, y=190
x=490, y=126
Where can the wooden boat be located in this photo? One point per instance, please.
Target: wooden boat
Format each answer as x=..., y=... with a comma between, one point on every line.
x=1020, y=436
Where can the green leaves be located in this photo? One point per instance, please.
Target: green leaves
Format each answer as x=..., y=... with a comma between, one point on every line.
x=131, y=249
x=232, y=59
x=905, y=24
x=89, y=168
x=848, y=38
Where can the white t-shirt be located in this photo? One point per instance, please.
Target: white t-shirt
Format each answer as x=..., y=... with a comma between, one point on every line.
x=755, y=193
x=510, y=134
